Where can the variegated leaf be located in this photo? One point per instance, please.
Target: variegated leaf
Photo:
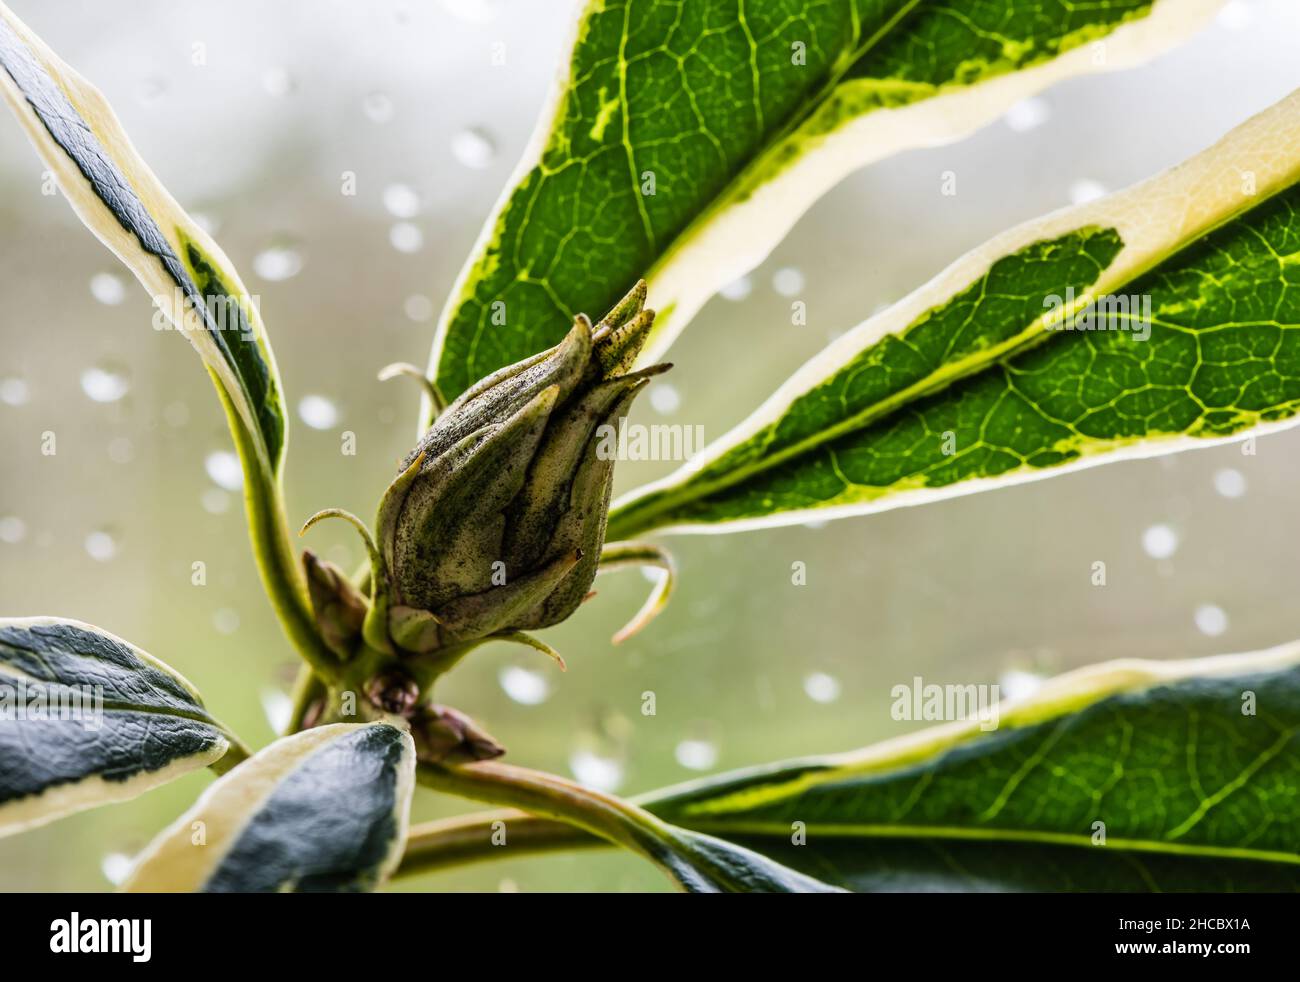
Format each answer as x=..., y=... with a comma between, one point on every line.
x=87, y=719
x=324, y=810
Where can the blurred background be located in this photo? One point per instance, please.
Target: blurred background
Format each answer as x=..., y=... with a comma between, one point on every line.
x=745, y=666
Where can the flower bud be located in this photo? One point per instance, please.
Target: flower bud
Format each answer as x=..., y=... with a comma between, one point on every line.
x=497, y=519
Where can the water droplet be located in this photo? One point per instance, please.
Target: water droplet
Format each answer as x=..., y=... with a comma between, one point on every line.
x=278, y=708
x=524, y=686
x=277, y=82
x=738, y=289
x=278, y=262
x=1028, y=114
x=378, y=107
x=418, y=307
x=696, y=755
x=401, y=201
x=12, y=529
x=1211, y=620
x=226, y=620
x=1159, y=541
x=14, y=391
x=215, y=501
x=317, y=412
x=108, y=288
x=224, y=469
x=820, y=687
x=1236, y=16
x=101, y=546
x=105, y=383
x=664, y=398
x=121, y=450
x=788, y=281
x=1085, y=190
x=1230, y=482
x=473, y=148
x=406, y=237
x=1016, y=683
x=116, y=867
x=595, y=770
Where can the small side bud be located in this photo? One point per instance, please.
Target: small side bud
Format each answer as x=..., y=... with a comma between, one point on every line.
x=447, y=736
x=393, y=692
x=339, y=607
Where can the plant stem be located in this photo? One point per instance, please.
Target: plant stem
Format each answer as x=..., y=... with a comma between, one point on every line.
x=268, y=527
x=468, y=839
x=307, y=688
x=236, y=755
x=552, y=797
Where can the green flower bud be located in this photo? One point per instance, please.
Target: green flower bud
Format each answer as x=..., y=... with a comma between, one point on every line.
x=496, y=521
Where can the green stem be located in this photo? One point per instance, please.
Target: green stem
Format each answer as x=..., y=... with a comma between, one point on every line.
x=307, y=688
x=236, y=755
x=552, y=797
x=268, y=527
x=468, y=839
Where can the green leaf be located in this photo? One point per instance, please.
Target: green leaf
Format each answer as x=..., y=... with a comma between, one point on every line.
x=193, y=285
x=1191, y=767
x=1130, y=776
x=971, y=382
x=322, y=810
x=87, y=719
x=742, y=114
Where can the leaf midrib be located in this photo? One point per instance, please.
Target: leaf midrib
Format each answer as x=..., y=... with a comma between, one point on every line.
x=116, y=705
x=1005, y=835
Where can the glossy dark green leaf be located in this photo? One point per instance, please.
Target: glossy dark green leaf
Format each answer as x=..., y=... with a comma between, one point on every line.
x=1128, y=776
x=685, y=139
x=86, y=719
